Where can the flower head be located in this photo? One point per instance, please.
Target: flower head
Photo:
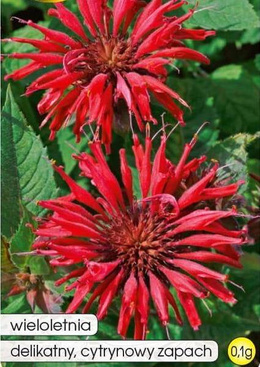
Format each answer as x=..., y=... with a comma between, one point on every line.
x=140, y=248
x=111, y=64
x=37, y=293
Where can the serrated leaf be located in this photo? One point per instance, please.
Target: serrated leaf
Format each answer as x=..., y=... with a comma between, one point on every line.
x=232, y=156
x=22, y=241
x=228, y=15
x=18, y=304
x=38, y=265
x=10, y=190
x=30, y=165
x=236, y=98
x=253, y=193
x=7, y=265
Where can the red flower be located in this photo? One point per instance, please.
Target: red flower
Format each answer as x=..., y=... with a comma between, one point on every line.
x=94, y=71
x=139, y=248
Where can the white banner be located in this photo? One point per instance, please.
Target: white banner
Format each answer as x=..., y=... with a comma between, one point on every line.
x=109, y=350
x=46, y=324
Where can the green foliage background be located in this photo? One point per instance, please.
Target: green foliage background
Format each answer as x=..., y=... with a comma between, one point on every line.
x=226, y=94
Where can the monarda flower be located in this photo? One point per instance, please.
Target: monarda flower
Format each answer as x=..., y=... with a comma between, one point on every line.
x=139, y=249
x=37, y=293
x=113, y=65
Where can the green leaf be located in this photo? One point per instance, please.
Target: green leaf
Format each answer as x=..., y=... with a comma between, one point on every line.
x=66, y=141
x=22, y=241
x=232, y=156
x=24, y=152
x=38, y=265
x=9, y=183
x=257, y=62
x=236, y=98
x=195, y=93
x=228, y=15
x=253, y=192
x=18, y=304
x=7, y=265
x=55, y=364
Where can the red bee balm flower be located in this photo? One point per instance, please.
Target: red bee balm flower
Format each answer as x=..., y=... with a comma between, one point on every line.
x=94, y=70
x=139, y=248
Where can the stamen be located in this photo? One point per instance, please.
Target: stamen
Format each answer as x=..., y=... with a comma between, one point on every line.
x=167, y=332
x=84, y=132
x=96, y=135
x=172, y=130
x=72, y=147
x=237, y=285
x=195, y=136
x=163, y=122
x=19, y=20
x=207, y=307
x=27, y=253
x=175, y=67
x=162, y=129
x=131, y=122
x=147, y=130
x=92, y=131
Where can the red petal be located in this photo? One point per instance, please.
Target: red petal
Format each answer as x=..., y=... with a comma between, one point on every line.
x=188, y=304
x=81, y=291
x=215, y=287
x=208, y=257
x=199, y=220
x=141, y=96
x=209, y=240
x=149, y=9
x=81, y=194
x=220, y=192
x=42, y=45
x=182, y=53
x=107, y=296
x=96, y=89
x=96, y=9
x=168, y=103
x=74, y=274
x=126, y=175
x=193, y=194
x=23, y=71
x=183, y=283
x=158, y=87
x=69, y=19
x=193, y=34
x=55, y=36
x=128, y=305
x=159, y=297
x=153, y=20
x=142, y=304
x=99, y=271
x=197, y=270
x=88, y=20
x=120, y=9
x=42, y=58
x=123, y=89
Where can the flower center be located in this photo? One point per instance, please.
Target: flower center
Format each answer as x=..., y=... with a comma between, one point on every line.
x=101, y=56
x=139, y=238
